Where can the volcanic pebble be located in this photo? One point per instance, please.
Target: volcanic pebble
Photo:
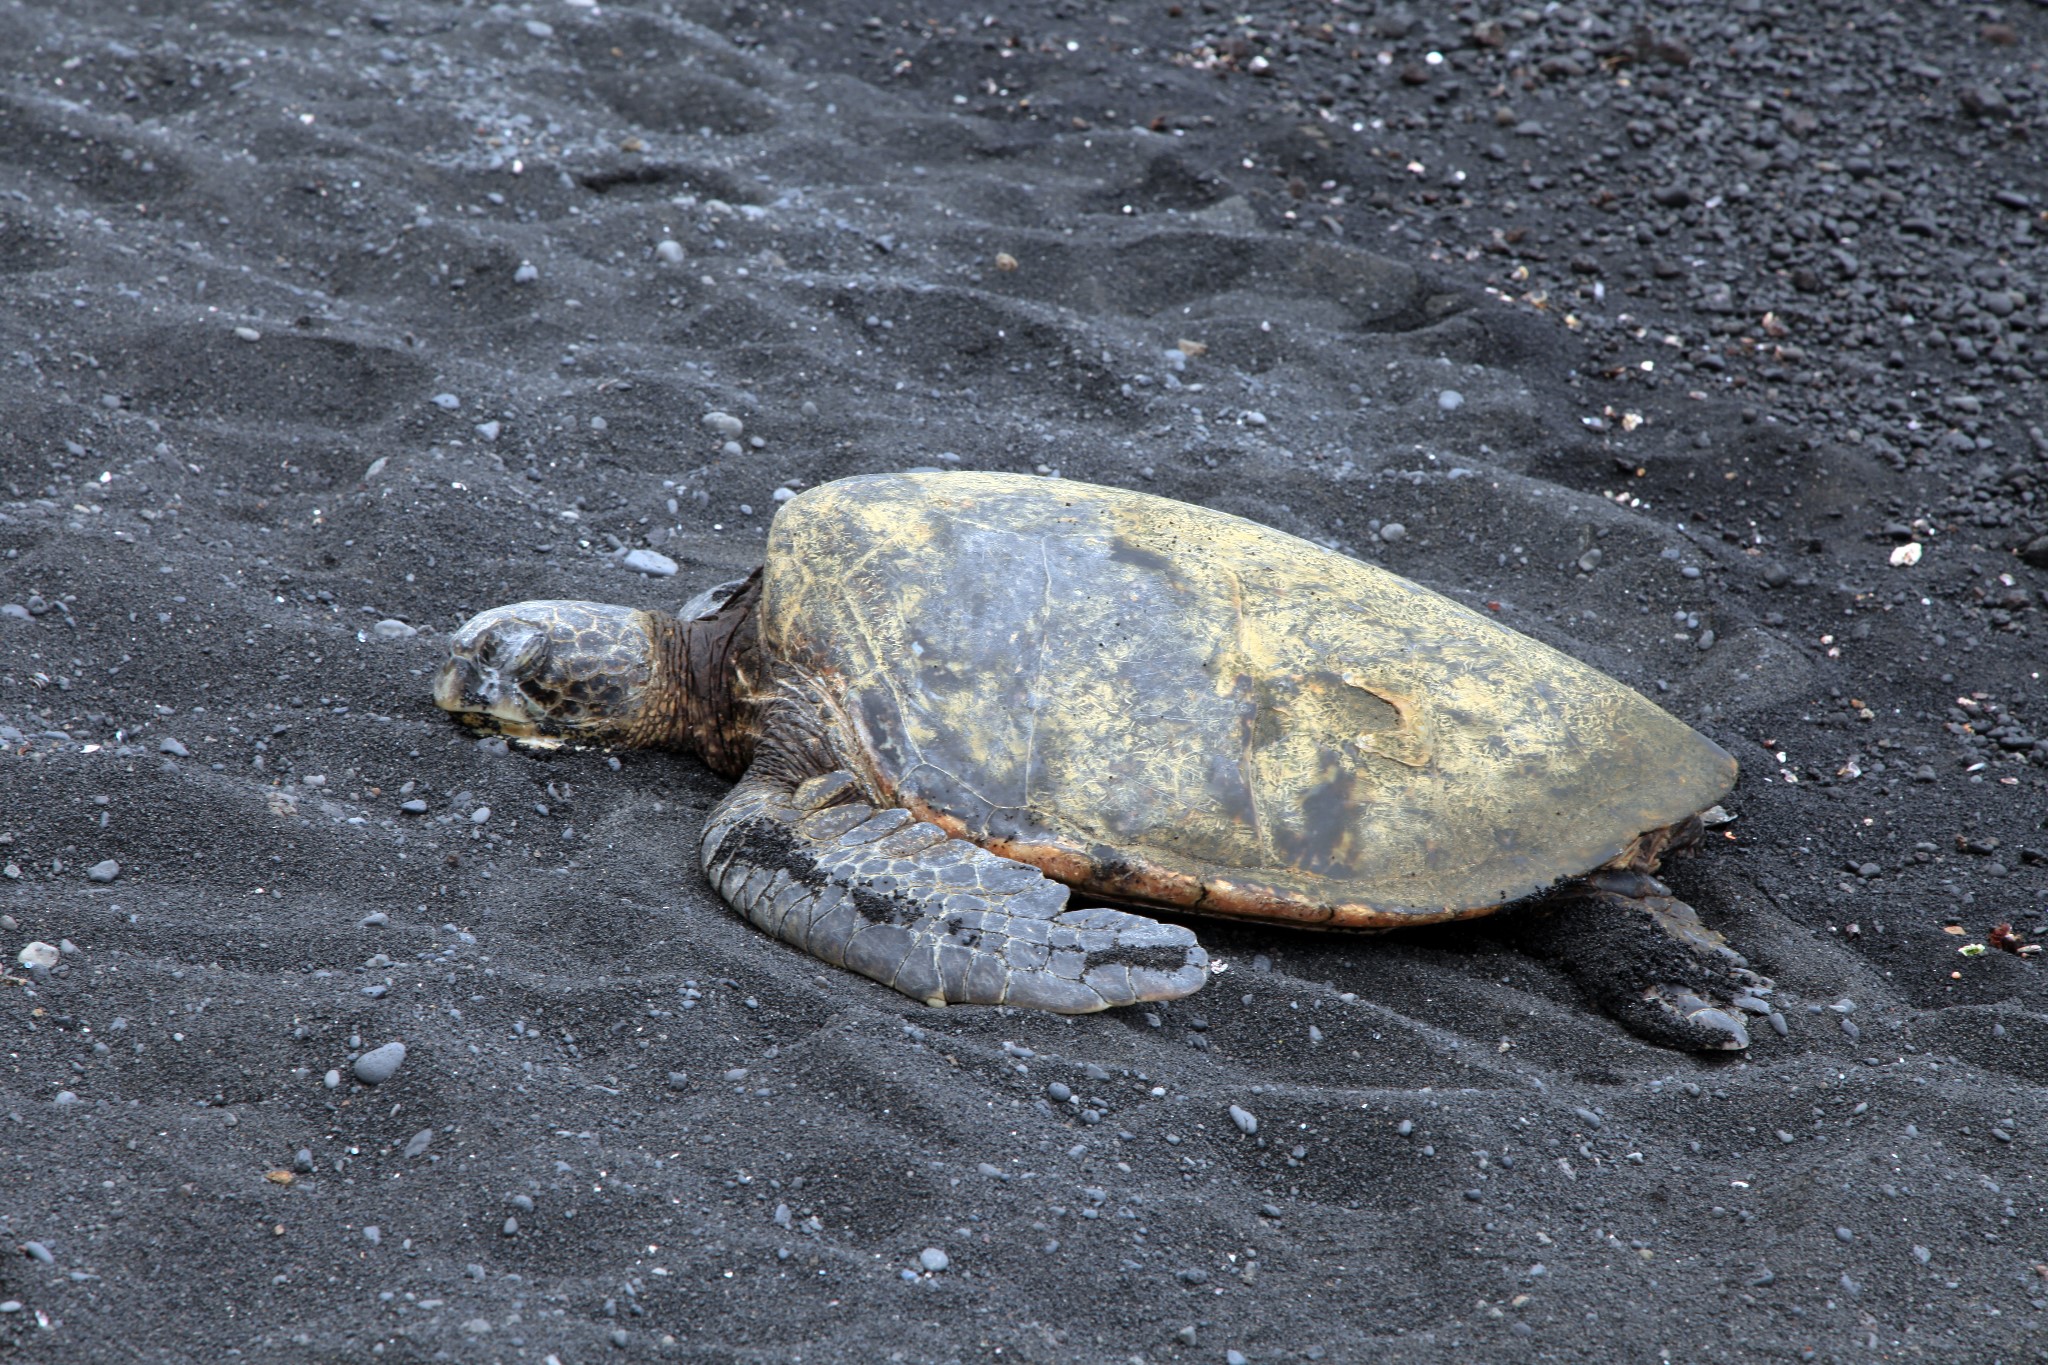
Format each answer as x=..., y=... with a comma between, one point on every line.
x=380, y=1064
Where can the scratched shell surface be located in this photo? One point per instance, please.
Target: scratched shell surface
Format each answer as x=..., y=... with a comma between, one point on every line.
x=1160, y=703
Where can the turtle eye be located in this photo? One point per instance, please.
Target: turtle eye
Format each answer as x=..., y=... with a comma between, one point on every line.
x=513, y=648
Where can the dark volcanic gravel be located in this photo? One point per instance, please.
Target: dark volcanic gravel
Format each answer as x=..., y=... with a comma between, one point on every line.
x=1698, y=341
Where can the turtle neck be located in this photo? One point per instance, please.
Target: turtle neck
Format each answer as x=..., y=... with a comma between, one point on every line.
x=708, y=671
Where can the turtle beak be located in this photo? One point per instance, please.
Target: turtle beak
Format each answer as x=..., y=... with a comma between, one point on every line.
x=479, y=684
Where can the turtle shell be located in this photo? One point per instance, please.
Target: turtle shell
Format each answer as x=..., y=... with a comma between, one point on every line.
x=1167, y=705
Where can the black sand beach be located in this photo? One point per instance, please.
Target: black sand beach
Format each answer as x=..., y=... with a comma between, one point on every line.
x=1698, y=341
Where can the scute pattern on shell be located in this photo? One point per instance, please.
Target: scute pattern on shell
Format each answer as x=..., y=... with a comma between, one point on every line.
x=1167, y=705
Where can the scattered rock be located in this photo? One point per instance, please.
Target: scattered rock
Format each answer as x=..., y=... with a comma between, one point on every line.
x=379, y=1064
x=650, y=562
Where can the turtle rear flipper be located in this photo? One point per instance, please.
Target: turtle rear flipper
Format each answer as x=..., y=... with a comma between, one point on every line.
x=1646, y=959
x=943, y=921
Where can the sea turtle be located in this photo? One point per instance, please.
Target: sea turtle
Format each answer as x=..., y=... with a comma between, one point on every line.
x=950, y=698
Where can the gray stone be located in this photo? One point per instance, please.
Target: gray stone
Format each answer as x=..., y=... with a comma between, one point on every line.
x=650, y=562
x=103, y=871
x=934, y=1260
x=380, y=1064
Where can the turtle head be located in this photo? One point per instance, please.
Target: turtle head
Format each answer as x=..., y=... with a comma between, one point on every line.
x=581, y=671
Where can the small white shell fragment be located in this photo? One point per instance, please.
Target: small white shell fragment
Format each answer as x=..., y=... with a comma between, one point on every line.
x=1907, y=555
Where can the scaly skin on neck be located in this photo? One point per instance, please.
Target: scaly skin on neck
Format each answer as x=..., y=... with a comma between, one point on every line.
x=703, y=698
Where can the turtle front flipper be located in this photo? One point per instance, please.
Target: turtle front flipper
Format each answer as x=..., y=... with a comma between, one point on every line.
x=884, y=894
x=1645, y=958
